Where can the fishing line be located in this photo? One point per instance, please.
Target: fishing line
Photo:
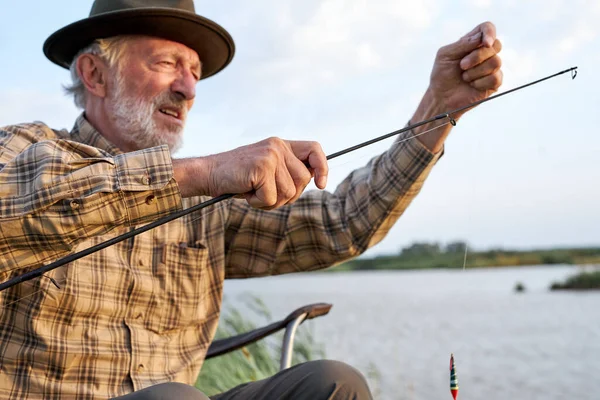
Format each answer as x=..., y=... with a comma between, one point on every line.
x=76, y=256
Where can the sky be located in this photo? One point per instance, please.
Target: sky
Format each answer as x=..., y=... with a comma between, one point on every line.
x=518, y=172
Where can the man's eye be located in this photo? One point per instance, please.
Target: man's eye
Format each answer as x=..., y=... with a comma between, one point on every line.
x=168, y=63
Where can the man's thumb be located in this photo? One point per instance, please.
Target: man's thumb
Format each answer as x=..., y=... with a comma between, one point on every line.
x=462, y=47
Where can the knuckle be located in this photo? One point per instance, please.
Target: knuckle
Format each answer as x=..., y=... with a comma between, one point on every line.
x=304, y=178
x=289, y=192
x=271, y=150
x=274, y=143
x=496, y=80
x=270, y=199
x=498, y=45
x=495, y=62
x=499, y=61
x=441, y=52
x=273, y=140
x=499, y=80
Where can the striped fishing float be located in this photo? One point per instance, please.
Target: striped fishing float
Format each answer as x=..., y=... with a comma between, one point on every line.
x=453, y=378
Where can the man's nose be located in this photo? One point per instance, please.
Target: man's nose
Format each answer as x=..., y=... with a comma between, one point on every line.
x=185, y=85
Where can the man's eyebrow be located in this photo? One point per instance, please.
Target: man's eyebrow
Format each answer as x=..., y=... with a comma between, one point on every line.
x=197, y=65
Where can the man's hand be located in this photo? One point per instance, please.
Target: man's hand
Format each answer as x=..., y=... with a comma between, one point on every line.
x=464, y=72
x=268, y=174
x=469, y=69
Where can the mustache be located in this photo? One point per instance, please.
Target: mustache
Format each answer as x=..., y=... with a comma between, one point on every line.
x=172, y=100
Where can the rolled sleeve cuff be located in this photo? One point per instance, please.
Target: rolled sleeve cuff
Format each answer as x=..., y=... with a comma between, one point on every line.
x=412, y=158
x=145, y=179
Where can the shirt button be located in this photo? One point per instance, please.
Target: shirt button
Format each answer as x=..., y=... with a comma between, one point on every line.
x=140, y=367
x=146, y=180
x=150, y=199
x=74, y=204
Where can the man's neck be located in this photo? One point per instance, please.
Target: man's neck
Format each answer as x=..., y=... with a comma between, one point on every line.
x=103, y=124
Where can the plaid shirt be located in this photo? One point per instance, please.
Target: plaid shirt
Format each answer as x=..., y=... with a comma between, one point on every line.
x=144, y=311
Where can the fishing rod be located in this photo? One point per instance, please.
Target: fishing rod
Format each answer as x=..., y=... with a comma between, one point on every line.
x=178, y=214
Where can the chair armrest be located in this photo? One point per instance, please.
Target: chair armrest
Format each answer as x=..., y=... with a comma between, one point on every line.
x=223, y=346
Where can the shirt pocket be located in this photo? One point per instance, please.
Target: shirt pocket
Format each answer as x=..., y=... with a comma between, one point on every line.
x=181, y=287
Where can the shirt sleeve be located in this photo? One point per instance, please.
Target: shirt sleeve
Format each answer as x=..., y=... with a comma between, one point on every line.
x=323, y=229
x=55, y=193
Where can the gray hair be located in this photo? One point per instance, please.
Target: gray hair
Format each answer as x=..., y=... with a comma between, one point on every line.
x=111, y=50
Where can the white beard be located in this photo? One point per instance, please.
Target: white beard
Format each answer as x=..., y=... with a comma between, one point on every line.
x=133, y=117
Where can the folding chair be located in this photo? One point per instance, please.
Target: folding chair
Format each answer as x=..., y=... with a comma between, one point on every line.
x=290, y=323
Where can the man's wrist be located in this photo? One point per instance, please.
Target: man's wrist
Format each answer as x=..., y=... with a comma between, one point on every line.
x=430, y=106
x=193, y=175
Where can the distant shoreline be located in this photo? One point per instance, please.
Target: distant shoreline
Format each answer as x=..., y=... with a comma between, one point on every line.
x=426, y=256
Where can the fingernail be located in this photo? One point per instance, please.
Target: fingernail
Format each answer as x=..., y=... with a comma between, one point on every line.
x=464, y=64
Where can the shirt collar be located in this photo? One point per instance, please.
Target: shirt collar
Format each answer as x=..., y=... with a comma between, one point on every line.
x=84, y=132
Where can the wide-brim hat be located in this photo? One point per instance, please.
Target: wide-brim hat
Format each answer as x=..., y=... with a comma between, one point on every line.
x=174, y=20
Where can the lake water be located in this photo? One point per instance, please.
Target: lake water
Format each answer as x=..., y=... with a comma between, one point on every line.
x=532, y=345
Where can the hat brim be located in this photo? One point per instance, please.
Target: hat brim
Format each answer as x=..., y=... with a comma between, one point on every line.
x=214, y=45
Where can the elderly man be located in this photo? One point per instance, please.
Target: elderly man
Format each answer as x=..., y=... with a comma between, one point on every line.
x=135, y=320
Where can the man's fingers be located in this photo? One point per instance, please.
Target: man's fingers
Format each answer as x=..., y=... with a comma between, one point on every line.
x=488, y=31
x=489, y=34
x=461, y=48
x=483, y=35
x=489, y=82
x=299, y=175
x=272, y=172
x=321, y=169
x=264, y=196
x=287, y=187
x=313, y=154
x=488, y=67
x=480, y=55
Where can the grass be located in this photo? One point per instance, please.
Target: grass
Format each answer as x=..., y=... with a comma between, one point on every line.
x=581, y=281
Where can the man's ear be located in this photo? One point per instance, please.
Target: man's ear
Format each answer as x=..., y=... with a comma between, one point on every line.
x=93, y=73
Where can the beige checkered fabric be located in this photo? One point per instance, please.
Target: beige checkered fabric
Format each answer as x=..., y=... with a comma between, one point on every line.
x=144, y=311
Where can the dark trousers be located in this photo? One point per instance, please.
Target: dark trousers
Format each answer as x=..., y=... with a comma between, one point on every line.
x=315, y=380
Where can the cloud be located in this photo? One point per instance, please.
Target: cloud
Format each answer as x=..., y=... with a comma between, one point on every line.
x=581, y=33
x=518, y=65
x=550, y=10
x=344, y=38
x=481, y=3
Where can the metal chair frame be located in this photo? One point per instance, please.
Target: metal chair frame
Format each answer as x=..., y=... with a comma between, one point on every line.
x=289, y=323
